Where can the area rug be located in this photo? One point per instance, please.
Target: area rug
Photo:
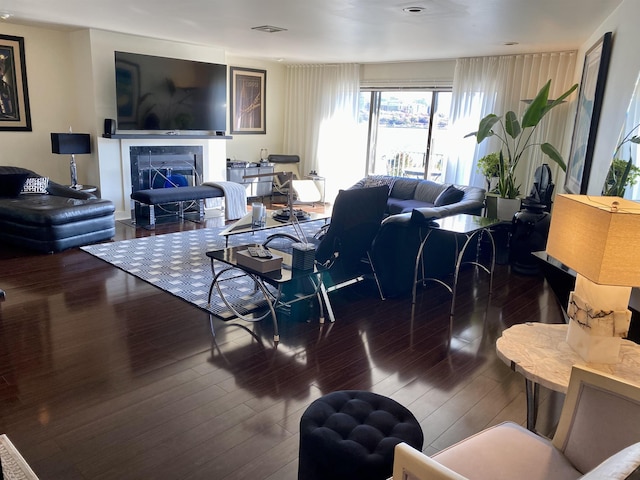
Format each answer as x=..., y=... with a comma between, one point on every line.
x=177, y=263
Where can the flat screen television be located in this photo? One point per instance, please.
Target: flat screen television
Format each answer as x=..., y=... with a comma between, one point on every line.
x=168, y=94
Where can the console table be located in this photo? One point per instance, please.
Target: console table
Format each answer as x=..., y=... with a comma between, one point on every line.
x=256, y=187
x=540, y=353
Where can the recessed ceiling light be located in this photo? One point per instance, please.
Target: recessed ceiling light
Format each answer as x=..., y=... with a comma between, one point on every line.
x=269, y=29
x=508, y=44
x=413, y=9
x=5, y=16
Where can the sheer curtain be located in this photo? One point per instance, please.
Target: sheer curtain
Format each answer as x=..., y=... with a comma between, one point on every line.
x=498, y=84
x=321, y=119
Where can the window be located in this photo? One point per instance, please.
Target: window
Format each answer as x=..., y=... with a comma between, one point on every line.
x=406, y=131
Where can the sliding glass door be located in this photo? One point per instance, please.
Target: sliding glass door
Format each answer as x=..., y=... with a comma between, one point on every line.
x=407, y=131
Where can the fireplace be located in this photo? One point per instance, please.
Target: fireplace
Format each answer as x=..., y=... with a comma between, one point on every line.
x=164, y=167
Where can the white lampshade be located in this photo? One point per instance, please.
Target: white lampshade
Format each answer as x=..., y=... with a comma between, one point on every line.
x=597, y=238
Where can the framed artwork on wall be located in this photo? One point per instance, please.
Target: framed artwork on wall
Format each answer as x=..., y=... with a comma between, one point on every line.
x=592, y=85
x=247, y=93
x=15, y=114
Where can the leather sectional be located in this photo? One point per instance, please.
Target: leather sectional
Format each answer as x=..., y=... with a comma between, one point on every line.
x=54, y=219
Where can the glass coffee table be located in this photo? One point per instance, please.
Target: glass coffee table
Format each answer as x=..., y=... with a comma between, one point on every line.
x=274, y=219
x=277, y=280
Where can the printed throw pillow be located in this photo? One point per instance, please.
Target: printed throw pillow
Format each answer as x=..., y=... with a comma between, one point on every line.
x=36, y=185
x=11, y=184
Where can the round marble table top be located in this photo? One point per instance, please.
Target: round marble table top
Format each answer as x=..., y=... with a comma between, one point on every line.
x=540, y=353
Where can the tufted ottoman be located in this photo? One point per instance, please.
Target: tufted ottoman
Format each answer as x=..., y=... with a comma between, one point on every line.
x=351, y=435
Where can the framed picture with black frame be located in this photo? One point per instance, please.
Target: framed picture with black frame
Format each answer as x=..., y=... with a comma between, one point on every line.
x=248, y=94
x=585, y=129
x=15, y=114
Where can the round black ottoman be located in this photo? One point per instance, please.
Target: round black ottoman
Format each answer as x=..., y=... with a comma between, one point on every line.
x=351, y=435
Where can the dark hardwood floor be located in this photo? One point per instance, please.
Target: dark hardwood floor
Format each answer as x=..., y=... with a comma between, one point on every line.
x=104, y=376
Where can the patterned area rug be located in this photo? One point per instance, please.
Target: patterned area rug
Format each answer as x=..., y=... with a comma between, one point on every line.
x=177, y=263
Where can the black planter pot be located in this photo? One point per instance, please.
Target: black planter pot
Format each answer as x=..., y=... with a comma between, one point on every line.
x=530, y=232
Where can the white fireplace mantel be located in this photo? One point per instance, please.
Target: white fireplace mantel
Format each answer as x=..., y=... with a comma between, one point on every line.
x=115, y=169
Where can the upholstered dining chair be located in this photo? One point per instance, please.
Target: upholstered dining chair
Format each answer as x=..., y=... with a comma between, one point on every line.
x=598, y=437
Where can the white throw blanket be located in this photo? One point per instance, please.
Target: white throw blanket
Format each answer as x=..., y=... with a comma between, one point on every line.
x=235, y=199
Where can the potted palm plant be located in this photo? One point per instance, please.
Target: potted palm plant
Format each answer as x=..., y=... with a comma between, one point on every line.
x=516, y=138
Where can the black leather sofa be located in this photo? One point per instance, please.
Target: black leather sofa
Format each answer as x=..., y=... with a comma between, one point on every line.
x=412, y=204
x=53, y=220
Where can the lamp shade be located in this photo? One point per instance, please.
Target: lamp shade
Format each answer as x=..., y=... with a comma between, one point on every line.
x=70, y=143
x=598, y=237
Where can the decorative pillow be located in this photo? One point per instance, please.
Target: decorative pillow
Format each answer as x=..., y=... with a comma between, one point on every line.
x=378, y=180
x=36, y=185
x=449, y=196
x=11, y=184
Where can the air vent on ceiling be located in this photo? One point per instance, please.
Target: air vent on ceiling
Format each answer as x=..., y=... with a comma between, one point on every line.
x=269, y=29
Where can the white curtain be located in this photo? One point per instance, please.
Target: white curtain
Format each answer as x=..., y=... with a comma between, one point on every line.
x=485, y=85
x=321, y=117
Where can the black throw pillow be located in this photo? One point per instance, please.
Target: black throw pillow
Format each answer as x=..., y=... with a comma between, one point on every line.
x=449, y=196
x=11, y=184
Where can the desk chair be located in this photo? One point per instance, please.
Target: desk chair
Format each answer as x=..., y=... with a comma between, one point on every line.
x=598, y=437
x=304, y=190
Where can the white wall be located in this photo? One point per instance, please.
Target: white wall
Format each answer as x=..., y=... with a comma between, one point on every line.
x=247, y=147
x=51, y=82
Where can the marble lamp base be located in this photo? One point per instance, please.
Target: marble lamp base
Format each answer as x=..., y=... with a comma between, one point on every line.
x=595, y=334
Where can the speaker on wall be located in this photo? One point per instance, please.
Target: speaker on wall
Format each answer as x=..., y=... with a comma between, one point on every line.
x=109, y=127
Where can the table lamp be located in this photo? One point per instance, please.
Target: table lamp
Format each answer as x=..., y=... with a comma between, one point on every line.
x=71, y=144
x=599, y=238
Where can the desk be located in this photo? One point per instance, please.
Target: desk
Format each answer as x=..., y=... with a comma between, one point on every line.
x=470, y=227
x=540, y=353
x=277, y=279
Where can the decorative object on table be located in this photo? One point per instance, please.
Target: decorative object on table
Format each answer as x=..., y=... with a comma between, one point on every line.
x=265, y=264
x=489, y=167
x=71, y=144
x=598, y=238
x=247, y=95
x=264, y=155
x=594, y=78
x=303, y=255
x=531, y=224
x=258, y=214
x=14, y=95
x=516, y=138
x=284, y=214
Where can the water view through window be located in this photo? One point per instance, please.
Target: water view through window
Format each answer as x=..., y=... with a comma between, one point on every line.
x=406, y=132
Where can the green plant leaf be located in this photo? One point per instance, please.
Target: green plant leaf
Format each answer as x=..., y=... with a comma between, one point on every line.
x=537, y=108
x=512, y=125
x=554, y=155
x=635, y=139
x=561, y=98
x=486, y=126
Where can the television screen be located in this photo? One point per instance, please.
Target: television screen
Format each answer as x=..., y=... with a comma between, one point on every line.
x=158, y=93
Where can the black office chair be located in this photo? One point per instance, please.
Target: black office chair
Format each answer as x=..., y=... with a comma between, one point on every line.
x=345, y=245
x=542, y=191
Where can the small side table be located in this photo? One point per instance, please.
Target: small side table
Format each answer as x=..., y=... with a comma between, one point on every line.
x=539, y=352
x=469, y=227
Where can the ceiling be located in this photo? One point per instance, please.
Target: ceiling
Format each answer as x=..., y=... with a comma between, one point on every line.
x=363, y=31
